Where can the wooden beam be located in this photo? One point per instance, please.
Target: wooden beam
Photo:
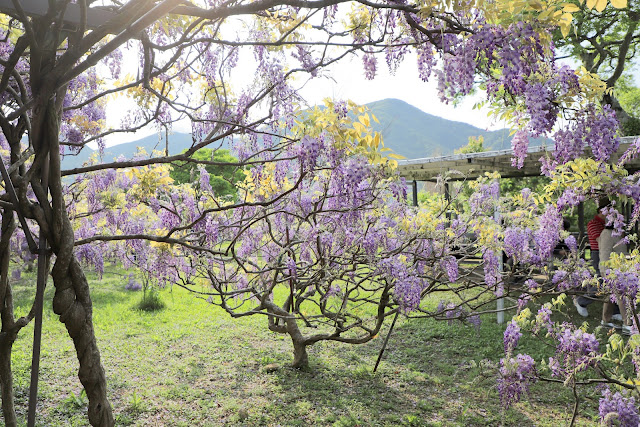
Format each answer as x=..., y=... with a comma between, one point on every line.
x=95, y=16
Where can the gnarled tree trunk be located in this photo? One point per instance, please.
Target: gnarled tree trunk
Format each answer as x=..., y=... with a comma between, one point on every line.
x=72, y=299
x=7, y=330
x=285, y=323
x=300, y=357
x=6, y=379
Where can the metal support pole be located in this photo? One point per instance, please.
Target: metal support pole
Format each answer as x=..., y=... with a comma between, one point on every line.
x=500, y=302
x=386, y=340
x=414, y=187
x=37, y=332
x=581, y=225
x=447, y=198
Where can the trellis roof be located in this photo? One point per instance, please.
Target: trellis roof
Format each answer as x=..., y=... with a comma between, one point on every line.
x=473, y=165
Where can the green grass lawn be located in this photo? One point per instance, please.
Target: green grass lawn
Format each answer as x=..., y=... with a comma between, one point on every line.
x=191, y=364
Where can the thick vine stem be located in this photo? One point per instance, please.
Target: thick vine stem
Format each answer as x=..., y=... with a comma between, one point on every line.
x=7, y=332
x=72, y=303
x=72, y=299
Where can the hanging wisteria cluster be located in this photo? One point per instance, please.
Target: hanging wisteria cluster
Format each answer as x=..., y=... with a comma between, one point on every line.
x=319, y=227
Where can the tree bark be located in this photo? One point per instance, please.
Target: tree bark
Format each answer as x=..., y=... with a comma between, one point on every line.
x=72, y=302
x=7, y=332
x=300, y=357
x=6, y=380
x=72, y=299
x=290, y=327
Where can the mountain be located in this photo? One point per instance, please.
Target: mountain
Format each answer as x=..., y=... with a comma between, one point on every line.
x=178, y=142
x=406, y=130
x=413, y=133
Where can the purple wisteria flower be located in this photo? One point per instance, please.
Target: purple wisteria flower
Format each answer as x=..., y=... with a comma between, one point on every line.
x=516, y=374
x=548, y=234
x=520, y=146
x=483, y=201
x=543, y=320
x=569, y=199
x=450, y=265
x=133, y=284
x=571, y=275
x=491, y=271
x=625, y=283
x=615, y=219
x=511, y=337
x=523, y=301
x=516, y=243
x=576, y=351
x=475, y=320
x=617, y=410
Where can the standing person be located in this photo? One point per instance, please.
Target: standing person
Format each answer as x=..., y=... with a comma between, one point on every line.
x=594, y=229
x=609, y=244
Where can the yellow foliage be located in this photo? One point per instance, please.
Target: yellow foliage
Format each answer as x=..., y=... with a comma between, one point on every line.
x=547, y=12
x=165, y=247
x=149, y=179
x=265, y=187
x=353, y=136
x=592, y=85
x=522, y=318
x=582, y=175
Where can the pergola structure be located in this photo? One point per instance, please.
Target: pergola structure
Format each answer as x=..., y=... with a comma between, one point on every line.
x=473, y=165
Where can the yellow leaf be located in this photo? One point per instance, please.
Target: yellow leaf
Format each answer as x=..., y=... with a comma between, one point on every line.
x=376, y=140
x=569, y=8
x=358, y=127
x=600, y=5
x=536, y=5
x=619, y=4
x=591, y=3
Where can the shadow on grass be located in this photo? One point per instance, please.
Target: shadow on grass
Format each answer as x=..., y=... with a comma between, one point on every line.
x=191, y=364
x=109, y=292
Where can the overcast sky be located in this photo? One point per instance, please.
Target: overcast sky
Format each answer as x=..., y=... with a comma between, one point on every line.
x=404, y=85
x=347, y=81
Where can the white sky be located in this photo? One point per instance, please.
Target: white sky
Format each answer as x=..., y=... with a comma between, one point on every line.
x=347, y=81
x=404, y=85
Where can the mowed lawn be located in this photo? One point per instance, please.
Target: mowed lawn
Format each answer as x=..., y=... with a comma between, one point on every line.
x=190, y=364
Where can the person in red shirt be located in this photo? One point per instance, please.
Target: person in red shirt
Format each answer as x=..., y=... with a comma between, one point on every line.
x=594, y=229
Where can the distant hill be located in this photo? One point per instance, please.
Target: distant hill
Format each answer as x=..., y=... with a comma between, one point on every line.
x=414, y=134
x=406, y=130
x=177, y=143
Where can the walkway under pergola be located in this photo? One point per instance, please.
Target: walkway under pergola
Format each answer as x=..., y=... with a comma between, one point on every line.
x=473, y=165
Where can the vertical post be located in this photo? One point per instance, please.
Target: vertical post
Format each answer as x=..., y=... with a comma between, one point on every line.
x=414, y=188
x=166, y=141
x=635, y=226
x=386, y=340
x=447, y=198
x=500, y=302
x=581, y=225
x=37, y=332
